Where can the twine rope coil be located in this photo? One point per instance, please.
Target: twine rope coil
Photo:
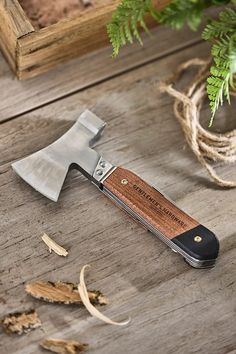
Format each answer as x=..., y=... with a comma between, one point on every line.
x=207, y=146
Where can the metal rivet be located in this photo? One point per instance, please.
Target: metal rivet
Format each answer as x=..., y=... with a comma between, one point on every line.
x=99, y=172
x=124, y=181
x=197, y=239
x=102, y=164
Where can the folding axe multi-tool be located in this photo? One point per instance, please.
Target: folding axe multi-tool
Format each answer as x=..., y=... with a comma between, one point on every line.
x=46, y=171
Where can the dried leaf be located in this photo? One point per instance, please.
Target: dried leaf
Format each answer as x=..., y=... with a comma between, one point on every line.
x=52, y=245
x=91, y=309
x=21, y=322
x=66, y=293
x=63, y=346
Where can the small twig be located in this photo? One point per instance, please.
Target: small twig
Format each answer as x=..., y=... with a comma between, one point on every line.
x=63, y=346
x=60, y=292
x=53, y=246
x=21, y=322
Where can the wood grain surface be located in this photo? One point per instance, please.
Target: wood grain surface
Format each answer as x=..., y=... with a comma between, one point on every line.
x=18, y=97
x=13, y=25
x=148, y=203
x=174, y=308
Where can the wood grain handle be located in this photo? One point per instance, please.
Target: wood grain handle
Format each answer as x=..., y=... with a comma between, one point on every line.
x=159, y=215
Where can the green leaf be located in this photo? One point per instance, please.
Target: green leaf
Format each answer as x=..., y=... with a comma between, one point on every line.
x=130, y=17
x=126, y=22
x=223, y=32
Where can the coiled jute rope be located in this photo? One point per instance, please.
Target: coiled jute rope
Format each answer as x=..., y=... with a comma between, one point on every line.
x=209, y=147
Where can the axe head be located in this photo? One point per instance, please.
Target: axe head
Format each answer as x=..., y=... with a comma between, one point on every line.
x=46, y=169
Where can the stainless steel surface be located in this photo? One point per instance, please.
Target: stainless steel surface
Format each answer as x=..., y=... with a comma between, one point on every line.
x=46, y=169
x=102, y=170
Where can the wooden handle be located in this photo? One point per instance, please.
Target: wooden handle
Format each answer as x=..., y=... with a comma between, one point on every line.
x=149, y=203
x=159, y=214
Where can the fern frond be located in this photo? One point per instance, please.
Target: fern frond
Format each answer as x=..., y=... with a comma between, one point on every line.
x=129, y=17
x=180, y=12
x=223, y=33
x=126, y=21
x=219, y=28
x=217, y=88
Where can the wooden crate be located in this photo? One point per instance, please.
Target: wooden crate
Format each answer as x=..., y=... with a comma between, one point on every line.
x=31, y=51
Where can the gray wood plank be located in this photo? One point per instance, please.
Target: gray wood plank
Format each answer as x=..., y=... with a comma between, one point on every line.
x=174, y=308
x=17, y=97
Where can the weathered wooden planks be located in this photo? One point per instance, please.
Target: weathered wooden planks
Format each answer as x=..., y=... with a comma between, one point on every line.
x=18, y=97
x=13, y=25
x=174, y=308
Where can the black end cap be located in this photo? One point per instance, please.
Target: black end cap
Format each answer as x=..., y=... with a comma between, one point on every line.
x=206, y=249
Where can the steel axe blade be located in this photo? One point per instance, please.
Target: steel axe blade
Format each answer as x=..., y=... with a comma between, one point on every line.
x=46, y=169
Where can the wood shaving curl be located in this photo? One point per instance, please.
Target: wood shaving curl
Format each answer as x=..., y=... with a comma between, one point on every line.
x=91, y=309
x=53, y=246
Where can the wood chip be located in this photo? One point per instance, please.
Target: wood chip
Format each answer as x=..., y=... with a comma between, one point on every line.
x=21, y=322
x=91, y=309
x=53, y=246
x=63, y=346
x=60, y=292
